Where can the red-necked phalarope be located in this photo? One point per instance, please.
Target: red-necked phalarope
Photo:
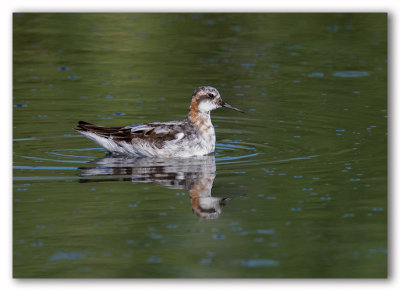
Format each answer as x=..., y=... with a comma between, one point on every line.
x=193, y=136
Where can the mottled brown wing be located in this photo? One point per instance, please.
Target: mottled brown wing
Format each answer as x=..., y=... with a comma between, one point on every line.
x=156, y=134
x=101, y=130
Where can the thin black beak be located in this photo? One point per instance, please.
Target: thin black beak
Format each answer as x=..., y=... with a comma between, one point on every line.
x=224, y=104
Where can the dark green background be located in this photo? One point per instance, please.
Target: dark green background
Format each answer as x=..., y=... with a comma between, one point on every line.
x=306, y=165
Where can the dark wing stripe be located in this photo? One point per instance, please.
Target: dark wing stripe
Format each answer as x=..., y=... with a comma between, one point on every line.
x=100, y=130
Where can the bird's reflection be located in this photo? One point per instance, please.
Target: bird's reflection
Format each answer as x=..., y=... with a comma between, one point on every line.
x=195, y=174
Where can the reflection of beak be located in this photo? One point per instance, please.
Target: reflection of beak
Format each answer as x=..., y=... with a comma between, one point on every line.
x=224, y=104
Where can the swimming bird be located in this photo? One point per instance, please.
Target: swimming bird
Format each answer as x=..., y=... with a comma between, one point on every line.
x=193, y=136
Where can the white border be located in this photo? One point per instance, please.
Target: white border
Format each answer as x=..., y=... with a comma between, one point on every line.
x=9, y=7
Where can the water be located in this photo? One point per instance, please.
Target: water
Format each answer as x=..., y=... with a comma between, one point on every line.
x=297, y=187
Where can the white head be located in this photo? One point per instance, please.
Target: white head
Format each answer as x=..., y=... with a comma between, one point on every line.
x=206, y=99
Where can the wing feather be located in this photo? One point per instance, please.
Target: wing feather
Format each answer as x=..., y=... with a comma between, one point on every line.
x=154, y=134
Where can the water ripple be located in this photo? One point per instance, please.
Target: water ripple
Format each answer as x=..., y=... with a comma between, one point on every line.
x=260, y=263
x=351, y=74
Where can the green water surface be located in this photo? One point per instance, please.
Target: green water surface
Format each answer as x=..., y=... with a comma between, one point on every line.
x=303, y=172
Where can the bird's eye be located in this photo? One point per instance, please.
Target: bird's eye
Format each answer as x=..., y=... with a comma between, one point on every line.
x=211, y=95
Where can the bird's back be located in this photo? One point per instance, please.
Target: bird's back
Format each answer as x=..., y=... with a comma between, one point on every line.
x=174, y=138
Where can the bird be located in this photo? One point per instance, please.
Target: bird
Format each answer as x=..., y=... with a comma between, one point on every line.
x=192, y=136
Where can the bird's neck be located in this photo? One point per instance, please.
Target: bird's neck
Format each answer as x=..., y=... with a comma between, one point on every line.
x=199, y=118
